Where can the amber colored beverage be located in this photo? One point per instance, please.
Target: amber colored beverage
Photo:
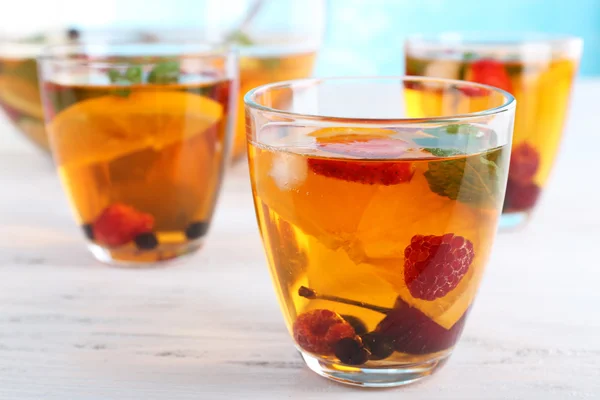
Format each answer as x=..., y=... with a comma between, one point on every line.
x=377, y=219
x=140, y=134
x=256, y=71
x=20, y=98
x=152, y=156
x=539, y=76
x=346, y=239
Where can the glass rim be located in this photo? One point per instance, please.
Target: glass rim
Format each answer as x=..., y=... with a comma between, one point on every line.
x=494, y=40
x=179, y=49
x=249, y=100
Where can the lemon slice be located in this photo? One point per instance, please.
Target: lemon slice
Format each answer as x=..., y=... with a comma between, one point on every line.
x=338, y=133
x=21, y=95
x=108, y=127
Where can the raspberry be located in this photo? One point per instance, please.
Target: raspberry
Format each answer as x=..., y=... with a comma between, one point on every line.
x=412, y=332
x=317, y=331
x=119, y=224
x=521, y=196
x=434, y=265
x=365, y=172
x=524, y=163
x=487, y=72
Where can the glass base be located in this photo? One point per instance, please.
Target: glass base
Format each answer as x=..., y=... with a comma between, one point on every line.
x=129, y=257
x=513, y=221
x=375, y=377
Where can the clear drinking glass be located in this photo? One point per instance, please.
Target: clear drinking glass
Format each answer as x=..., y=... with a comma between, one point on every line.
x=378, y=214
x=140, y=133
x=538, y=70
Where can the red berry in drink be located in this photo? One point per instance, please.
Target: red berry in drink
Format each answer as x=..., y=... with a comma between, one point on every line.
x=521, y=196
x=524, y=163
x=317, y=331
x=365, y=172
x=488, y=72
x=434, y=265
x=119, y=224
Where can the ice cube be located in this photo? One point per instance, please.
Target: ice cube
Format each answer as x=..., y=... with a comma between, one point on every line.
x=288, y=170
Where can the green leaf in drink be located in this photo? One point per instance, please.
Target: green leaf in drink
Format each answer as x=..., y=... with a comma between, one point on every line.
x=165, y=72
x=475, y=180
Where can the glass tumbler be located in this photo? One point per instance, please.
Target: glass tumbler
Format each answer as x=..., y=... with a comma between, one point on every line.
x=377, y=215
x=538, y=70
x=140, y=133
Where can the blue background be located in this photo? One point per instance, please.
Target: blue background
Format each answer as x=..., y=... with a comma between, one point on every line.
x=365, y=37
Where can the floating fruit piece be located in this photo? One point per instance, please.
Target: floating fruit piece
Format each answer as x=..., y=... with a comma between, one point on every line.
x=108, y=127
x=415, y=333
x=146, y=241
x=350, y=351
x=521, y=196
x=364, y=172
x=364, y=143
x=488, y=72
x=119, y=224
x=317, y=331
x=364, y=146
x=196, y=230
x=434, y=265
x=524, y=163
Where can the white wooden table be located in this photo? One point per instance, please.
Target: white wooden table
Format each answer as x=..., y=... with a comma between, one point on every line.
x=210, y=328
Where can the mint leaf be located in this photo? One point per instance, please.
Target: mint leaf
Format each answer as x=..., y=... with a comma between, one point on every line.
x=114, y=75
x=476, y=180
x=165, y=72
x=436, y=151
x=132, y=75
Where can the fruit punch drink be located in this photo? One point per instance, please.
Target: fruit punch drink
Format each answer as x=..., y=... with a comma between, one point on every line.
x=140, y=144
x=376, y=219
x=539, y=72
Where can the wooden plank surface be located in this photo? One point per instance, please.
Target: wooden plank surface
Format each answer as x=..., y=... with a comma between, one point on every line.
x=210, y=327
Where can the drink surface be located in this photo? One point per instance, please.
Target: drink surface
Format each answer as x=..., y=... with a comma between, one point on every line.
x=142, y=164
x=374, y=238
x=542, y=89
